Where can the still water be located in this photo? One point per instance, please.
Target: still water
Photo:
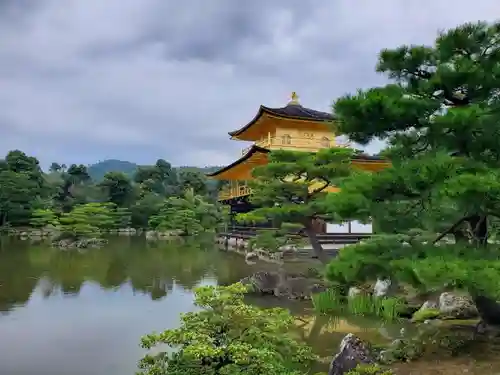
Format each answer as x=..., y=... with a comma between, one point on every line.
x=83, y=313
x=65, y=312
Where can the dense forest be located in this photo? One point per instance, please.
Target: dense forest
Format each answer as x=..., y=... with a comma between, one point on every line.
x=26, y=189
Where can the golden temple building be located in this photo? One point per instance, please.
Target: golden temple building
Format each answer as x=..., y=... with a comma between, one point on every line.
x=292, y=127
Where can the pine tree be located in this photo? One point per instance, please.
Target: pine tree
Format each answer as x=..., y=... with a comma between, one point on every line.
x=438, y=206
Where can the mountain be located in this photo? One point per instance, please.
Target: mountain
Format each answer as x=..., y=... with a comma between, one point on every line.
x=98, y=170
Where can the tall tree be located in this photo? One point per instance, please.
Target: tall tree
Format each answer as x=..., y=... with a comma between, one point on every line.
x=292, y=188
x=117, y=188
x=160, y=178
x=70, y=190
x=55, y=167
x=441, y=120
x=189, y=179
x=21, y=186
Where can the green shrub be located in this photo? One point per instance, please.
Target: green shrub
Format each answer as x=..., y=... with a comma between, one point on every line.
x=369, y=370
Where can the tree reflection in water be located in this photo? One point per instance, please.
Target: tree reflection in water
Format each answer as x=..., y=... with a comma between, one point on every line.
x=150, y=269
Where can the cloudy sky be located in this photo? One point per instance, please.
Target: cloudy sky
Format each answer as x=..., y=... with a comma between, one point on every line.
x=138, y=80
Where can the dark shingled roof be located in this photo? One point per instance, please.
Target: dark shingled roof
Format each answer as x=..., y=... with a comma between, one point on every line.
x=291, y=111
x=297, y=111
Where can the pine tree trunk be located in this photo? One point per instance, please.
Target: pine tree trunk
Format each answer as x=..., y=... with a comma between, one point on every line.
x=313, y=240
x=479, y=229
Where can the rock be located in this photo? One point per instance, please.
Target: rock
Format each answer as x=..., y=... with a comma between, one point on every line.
x=262, y=282
x=354, y=291
x=274, y=283
x=294, y=288
x=382, y=288
x=457, y=306
x=429, y=305
x=352, y=352
x=79, y=244
x=400, y=350
x=232, y=242
x=36, y=233
x=251, y=256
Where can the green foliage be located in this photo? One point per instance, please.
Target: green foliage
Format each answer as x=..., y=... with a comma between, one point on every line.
x=194, y=180
x=43, y=217
x=274, y=240
x=328, y=302
x=122, y=217
x=332, y=301
x=228, y=337
x=291, y=188
x=87, y=220
x=190, y=214
x=55, y=167
x=21, y=183
x=160, y=178
x=439, y=202
x=369, y=370
x=145, y=208
x=117, y=188
x=72, y=189
x=24, y=189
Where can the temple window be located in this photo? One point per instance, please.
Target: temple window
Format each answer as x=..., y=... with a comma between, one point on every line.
x=325, y=142
x=286, y=139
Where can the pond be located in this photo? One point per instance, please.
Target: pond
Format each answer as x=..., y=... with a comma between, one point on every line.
x=65, y=312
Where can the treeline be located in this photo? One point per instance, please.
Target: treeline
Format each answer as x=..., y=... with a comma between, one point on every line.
x=25, y=189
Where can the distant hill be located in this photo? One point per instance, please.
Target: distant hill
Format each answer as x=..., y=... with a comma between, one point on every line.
x=98, y=170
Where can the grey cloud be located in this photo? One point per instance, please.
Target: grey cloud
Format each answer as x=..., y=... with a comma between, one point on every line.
x=140, y=80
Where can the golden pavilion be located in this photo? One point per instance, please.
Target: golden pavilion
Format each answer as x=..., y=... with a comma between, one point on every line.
x=292, y=127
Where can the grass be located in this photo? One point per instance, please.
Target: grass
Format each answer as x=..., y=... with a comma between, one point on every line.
x=331, y=301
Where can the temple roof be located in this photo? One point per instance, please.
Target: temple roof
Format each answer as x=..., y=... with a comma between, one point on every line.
x=364, y=159
x=254, y=149
x=292, y=111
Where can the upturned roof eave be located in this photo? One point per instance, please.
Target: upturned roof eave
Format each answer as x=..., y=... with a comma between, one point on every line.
x=254, y=149
x=275, y=112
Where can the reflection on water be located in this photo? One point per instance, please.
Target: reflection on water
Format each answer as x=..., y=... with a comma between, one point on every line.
x=83, y=313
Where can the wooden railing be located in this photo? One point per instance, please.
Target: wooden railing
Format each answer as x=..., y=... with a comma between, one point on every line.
x=234, y=191
x=296, y=144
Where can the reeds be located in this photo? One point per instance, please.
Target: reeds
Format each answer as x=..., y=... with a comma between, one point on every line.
x=331, y=301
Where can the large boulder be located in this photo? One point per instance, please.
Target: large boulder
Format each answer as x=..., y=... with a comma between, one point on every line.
x=353, y=352
x=457, y=306
x=296, y=288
